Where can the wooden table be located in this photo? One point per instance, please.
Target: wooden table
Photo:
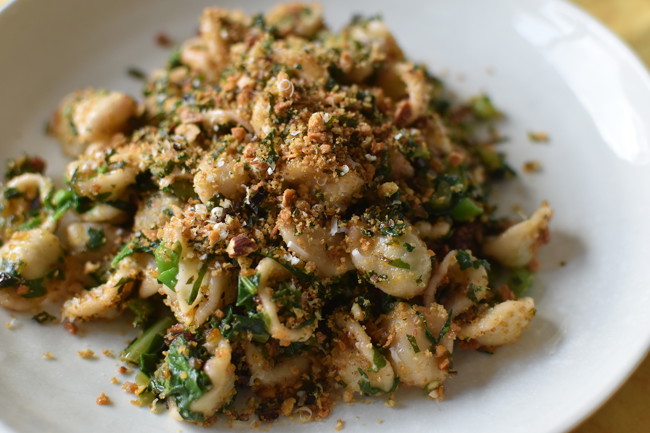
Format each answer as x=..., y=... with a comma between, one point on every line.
x=628, y=411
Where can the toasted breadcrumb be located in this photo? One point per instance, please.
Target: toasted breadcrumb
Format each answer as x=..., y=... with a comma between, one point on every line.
x=339, y=425
x=115, y=381
x=130, y=387
x=538, y=136
x=48, y=356
x=86, y=354
x=108, y=353
x=103, y=400
x=532, y=167
x=12, y=324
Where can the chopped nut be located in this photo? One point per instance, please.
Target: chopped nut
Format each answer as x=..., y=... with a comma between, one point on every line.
x=70, y=327
x=163, y=40
x=103, y=400
x=240, y=245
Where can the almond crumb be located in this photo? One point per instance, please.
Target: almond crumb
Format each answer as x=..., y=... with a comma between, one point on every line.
x=86, y=354
x=103, y=400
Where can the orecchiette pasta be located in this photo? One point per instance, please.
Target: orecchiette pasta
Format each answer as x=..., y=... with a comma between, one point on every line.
x=288, y=210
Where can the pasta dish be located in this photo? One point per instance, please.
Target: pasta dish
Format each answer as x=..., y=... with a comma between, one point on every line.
x=292, y=216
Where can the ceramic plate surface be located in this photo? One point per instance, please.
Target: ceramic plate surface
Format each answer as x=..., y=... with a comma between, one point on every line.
x=548, y=66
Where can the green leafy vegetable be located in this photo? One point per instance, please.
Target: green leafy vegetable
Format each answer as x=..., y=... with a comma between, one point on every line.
x=366, y=387
x=43, y=317
x=483, y=108
x=465, y=261
x=96, y=238
x=520, y=281
x=149, y=344
x=167, y=260
x=181, y=377
x=399, y=263
x=466, y=210
x=10, y=193
x=246, y=291
x=142, y=310
x=234, y=326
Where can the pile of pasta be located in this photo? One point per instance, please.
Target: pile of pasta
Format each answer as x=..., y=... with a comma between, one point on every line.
x=294, y=211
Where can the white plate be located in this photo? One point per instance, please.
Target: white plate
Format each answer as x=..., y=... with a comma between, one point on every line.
x=546, y=64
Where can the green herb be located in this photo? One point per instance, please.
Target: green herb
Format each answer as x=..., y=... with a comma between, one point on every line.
x=483, y=108
x=96, y=238
x=182, y=189
x=409, y=247
x=35, y=288
x=197, y=284
x=167, y=260
x=414, y=343
x=465, y=261
x=378, y=360
x=136, y=73
x=133, y=247
x=466, y=210
x=399, y=263
x=443, y=331
x=472, y=290
x=366, y=387
x=520, y=281
x=10, y=193
x=43, y=317
x=32, y=223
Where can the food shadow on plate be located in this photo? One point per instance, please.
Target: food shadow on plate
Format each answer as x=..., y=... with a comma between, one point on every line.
x=477, y=370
